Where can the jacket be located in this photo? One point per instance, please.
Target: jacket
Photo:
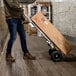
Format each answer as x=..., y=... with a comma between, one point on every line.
x=13, y=9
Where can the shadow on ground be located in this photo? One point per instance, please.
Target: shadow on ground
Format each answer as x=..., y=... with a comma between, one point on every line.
x=70, y=58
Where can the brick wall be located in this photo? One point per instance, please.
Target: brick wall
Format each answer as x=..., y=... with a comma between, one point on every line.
x=64, y=17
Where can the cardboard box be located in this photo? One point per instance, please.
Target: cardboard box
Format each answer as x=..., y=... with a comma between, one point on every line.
x=52, y=33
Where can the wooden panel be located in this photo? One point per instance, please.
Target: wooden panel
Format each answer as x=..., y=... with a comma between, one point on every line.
x=3, y=29
x=53, y=34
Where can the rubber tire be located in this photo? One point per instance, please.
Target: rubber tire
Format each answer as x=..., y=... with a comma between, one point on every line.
x=51, y=50
x=56, y=56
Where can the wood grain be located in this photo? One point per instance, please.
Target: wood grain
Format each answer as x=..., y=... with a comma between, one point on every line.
x=42, y=66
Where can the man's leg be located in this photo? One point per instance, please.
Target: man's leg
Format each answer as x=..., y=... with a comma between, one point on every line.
x=12, y=26
x=22, y=35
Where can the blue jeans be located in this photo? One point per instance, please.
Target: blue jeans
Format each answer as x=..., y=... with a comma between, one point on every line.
x=14, y=26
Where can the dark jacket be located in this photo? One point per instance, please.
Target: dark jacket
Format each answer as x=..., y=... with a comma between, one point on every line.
x=12, y=9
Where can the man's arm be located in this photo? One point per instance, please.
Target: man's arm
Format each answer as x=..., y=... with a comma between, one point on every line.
x=13, y=4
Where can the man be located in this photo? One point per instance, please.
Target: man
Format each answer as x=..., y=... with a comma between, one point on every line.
x=14, y=18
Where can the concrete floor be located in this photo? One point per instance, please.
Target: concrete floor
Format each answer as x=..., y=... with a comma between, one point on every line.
x=43, y=66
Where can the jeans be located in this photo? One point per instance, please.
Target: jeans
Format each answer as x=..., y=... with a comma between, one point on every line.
x=14, y=26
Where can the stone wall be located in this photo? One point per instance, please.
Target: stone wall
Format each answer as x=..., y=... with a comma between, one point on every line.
x=3, y=28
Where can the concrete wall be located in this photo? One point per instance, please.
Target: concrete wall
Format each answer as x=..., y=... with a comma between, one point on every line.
x=64, y=16
x=3, y=27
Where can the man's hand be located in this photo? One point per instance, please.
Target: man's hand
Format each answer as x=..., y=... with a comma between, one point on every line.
x=25, y=22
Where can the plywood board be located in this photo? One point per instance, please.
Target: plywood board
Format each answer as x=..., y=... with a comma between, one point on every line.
x=52, y=33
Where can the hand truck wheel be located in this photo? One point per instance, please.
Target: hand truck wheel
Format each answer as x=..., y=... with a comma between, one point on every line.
x=50, y=51
x=55, y=55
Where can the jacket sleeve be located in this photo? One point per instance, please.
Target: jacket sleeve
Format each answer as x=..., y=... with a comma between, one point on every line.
x=13, y=4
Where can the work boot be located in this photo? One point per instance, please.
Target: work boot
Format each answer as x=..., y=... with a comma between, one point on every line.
x=29, y=56
x=9, y=58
